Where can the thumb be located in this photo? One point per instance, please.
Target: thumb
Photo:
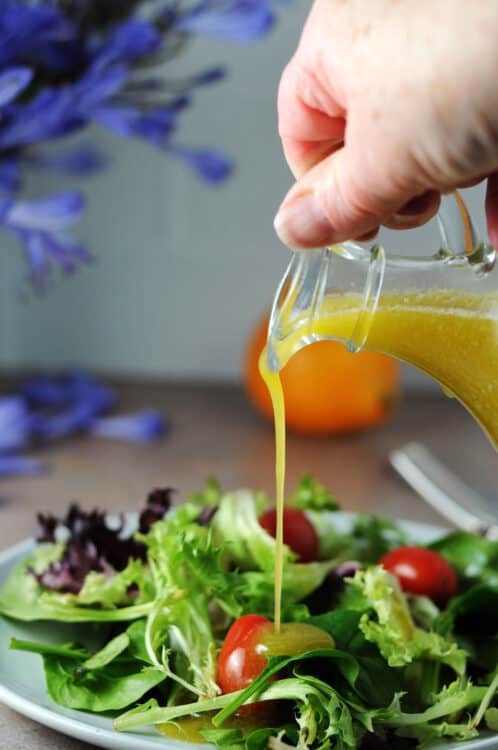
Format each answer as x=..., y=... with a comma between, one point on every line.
x=342, y=198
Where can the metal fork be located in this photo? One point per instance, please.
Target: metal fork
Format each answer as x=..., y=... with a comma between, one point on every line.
x=444, y=491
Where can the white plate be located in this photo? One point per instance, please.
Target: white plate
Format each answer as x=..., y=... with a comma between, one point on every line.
x=22, y=683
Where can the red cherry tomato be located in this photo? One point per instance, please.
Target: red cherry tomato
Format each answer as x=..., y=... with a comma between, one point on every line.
x=422, y=571
x=299, y=532
x=240, y=661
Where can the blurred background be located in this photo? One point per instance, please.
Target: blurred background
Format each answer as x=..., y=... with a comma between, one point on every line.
x=183, y=271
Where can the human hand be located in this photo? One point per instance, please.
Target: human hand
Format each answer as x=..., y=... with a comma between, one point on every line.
x=384, y=106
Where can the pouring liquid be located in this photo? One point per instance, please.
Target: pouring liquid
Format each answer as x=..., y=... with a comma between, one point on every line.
x=450, y=335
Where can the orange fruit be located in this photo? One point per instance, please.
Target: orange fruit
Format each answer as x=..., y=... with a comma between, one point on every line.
x=327, y=389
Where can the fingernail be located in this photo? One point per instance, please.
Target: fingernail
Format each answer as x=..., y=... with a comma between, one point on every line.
x=302, y=223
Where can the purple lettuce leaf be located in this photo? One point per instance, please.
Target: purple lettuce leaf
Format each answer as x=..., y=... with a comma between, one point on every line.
x=94, y=542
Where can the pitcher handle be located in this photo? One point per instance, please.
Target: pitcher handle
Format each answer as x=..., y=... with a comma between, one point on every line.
x=460, y=242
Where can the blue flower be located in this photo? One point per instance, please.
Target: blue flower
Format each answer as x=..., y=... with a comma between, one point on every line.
x=10, y=175
x=238, y=21
x=15, y=424
x=38, y=34
x=12, y=82
x=51, y=408
x=211, y=165
x=42, y=228
x=143, y=426
x=53, y=214
x=44, y=251
x=128, y=41
x=79, y=400
x=81, y=161
x=67, y=65
x=21, y=466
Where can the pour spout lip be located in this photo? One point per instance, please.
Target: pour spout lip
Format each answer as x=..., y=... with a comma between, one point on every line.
x=272, y=360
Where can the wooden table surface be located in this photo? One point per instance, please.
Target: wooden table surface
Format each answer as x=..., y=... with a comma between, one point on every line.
x=214, y=432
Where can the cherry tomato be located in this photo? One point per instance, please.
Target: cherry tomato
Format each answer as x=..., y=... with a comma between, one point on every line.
x=299, y=532
x=239, y=662
x=422, y=571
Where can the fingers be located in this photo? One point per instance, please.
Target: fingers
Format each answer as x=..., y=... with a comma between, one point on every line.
x=340, y=199
x=492, y=208
x=311, y=126
x=416, y=212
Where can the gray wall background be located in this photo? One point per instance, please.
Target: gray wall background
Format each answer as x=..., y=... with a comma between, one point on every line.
x=182, y=271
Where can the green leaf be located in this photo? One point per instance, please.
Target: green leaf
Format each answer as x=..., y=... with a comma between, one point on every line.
x=53, y=606
x=377, y=682
x=22, y=597
x=491, y=719
x=454, y=698
x=112, y=688
x=108, y=680
x=373, y=536
x=179, y=621
x=106, y=655
x=237, y=529
x=389, y=624
x=423, y=611
x=427, y=734
x=68, y=650
x=474, y=611
x=151, y=713
x=259, y=738
x=346, y=664
x=136, y=638
x=225, y=739
x=311, y=495
x=322, y=716
x=210, y=494
x=110, y=591
x=20, y=594
x=473, y=557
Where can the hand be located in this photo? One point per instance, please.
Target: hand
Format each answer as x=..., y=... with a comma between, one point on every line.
x=385, y=105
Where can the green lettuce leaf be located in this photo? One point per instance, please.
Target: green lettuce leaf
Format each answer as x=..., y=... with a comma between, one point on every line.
x=236, y=528
x=20, y=594
x=178, y=635
x=388, y=623
x=311, y=495
x=210, y=494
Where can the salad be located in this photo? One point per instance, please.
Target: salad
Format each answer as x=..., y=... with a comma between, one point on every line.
x=384, y=644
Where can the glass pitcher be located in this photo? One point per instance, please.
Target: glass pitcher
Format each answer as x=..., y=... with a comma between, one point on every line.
x=439, y=312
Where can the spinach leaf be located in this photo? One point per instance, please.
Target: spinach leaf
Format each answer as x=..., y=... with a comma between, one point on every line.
x=373, y=536
x=111, y=679
x=475, y=611
x=106, y=655
x=111, y=688
x=68, y=650
x=136, y=638
x=377, y=682
x=473, y=557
